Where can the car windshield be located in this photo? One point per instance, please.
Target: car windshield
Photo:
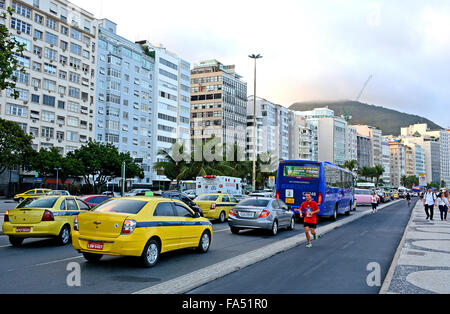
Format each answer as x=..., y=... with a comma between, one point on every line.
x=120, y=206
x=207, y=198
x=254, y=203
x=363, y=192
x=47, y=202
x=57, y=193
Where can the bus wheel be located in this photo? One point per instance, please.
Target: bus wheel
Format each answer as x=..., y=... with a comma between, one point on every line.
x=335, y=214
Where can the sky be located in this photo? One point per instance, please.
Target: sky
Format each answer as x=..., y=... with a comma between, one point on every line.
x=312, y=49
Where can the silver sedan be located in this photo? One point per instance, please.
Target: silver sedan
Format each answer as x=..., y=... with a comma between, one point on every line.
x=261, y=213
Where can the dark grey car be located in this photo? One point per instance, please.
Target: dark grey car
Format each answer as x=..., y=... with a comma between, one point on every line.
x=261, y=213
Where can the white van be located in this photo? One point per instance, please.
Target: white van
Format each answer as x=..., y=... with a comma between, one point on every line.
x=218, y=184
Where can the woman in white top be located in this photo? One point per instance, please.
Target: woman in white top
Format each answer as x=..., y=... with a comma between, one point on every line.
x=443, y=205
x=374, y=202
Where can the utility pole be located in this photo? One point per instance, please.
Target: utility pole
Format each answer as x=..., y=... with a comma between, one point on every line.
x=255, y=57
x=123, y=179
x=57, y=178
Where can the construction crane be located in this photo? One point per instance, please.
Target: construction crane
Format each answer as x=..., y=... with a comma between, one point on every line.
x=347, y=115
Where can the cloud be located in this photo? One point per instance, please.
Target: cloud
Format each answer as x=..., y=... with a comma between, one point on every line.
x=313, y=50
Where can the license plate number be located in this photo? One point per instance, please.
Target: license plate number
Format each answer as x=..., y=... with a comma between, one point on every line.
x=290, y=201
x=95, y=246
x=246, y=214
x=23, y=229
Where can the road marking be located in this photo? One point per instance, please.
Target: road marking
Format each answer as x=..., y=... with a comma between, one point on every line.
x=221, y=230
x=48, y=263
x=316, y=267
x=347, y=244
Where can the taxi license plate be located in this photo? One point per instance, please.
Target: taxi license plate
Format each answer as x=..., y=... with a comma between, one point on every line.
x=246, y=214
x=290, y=201
x=23, y=229
x=95, y=246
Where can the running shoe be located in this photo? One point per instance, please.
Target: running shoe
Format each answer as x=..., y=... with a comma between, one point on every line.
x=309, y=245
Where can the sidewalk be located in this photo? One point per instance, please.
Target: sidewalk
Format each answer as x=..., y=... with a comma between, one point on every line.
x=422, y=261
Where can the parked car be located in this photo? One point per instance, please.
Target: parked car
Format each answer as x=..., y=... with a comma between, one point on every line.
x=261, y=213
x=144, y=227
x=363, y=197
x=35, y=192
x=184, y=198
x=216, y=205
x=58, y=192
x=94, y=200
x=42, y=217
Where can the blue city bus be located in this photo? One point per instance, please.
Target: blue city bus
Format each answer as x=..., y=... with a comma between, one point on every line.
x=330, y=186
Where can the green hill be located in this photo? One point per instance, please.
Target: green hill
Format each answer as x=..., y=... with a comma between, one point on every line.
x=388, y=120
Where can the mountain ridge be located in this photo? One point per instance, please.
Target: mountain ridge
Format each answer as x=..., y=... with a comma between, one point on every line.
x=390, y=121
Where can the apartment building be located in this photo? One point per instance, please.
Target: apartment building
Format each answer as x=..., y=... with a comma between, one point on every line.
x=364, y=151
x=171, y=106
x=304, y=143
x=218, y=104
x=386, y=163
x=125, y=97
x=57, y=90
x=376, y=137
x=331, y=132
x=352, y=143
x=397, y=163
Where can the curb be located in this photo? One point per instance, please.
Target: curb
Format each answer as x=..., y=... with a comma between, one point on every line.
x=390, y=274
x=203, y=276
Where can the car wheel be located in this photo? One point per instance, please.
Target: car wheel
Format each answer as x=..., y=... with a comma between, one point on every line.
x=292, y=224
x=274, y=230
x=222, y=217
x=93, y=258
x=234, y=230
x=150, y=255
x=64, y=236
x=16, y=241
x=205, y=242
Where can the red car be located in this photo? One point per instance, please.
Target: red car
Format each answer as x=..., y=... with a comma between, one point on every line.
x=94, y=200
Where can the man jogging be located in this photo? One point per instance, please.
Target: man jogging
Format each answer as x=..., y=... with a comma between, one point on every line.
x=310, y=210
x=408, y=199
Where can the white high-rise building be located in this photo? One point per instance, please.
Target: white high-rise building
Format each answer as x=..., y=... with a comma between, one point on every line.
x=57, y=90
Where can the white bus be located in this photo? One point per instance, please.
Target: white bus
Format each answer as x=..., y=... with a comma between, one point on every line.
x=218, y=184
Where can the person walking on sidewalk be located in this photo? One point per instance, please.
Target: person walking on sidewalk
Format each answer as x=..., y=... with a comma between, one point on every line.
x=374, y=201
x=443, y=206
x=310, y=210
x=429, y=199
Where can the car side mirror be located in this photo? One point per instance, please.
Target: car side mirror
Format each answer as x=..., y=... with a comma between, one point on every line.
x=197, y=215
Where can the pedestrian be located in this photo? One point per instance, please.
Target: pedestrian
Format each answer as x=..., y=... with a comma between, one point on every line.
x=443, y=205
x=374, y=202
x=429, y=199
x=408, y=199
x=310, y=210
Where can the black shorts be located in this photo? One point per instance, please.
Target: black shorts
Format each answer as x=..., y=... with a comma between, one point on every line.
x=310, y=225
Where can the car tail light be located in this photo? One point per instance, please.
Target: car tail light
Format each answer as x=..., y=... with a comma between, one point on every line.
x=128, y=226
x=6, y=217
x=75, y=224
x=232, y=213
x=48, y=216
x=264, y=214
x=213, y=206
x=277, y=194
x=320, y=199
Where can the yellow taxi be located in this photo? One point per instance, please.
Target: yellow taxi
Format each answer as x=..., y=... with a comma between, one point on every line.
x=35, y=192
x=216, y=205
x=140, y=226
x=43, y=217
x=396, y=196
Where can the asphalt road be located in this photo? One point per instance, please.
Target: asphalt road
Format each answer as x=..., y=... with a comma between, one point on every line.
x=336, y=264
x=39, y=266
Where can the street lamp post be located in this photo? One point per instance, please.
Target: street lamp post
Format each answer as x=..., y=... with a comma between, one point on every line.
x=255, y=57
x=57, y=178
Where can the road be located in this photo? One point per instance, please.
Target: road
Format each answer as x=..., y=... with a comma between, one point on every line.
x=337, y=263
x=39, y=266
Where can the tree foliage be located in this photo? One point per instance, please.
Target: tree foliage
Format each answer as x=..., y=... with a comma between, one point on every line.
x=15, y=146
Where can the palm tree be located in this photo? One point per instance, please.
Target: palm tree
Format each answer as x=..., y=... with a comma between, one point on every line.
x=378, y=172
x=351, y=165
